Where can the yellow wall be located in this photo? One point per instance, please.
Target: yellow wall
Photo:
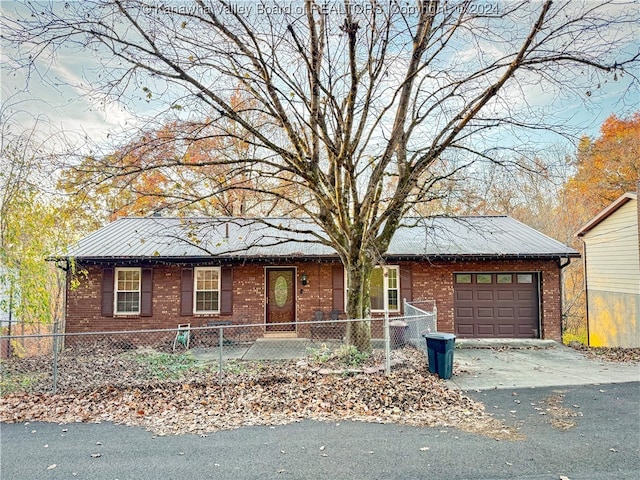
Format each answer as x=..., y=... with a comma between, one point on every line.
x=613, y=319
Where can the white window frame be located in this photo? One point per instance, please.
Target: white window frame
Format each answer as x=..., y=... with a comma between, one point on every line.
x=385, y=291
x=195, y=290
x=116, y=291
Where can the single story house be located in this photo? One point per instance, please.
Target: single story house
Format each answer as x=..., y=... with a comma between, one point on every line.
x=490, y=276
x=612, y=274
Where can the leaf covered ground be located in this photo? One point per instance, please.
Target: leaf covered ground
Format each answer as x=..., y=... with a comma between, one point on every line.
x=175, y=394
x=187, y=398
x=611, y=354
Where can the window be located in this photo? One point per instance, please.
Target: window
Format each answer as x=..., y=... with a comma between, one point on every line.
x=463, y=278
x=505, y=278
x=385, y=289
x=483, y=278
x=525, y=278
x=127, y=291
x=207, y=290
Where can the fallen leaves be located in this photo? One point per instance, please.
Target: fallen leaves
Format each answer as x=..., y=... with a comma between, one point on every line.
x=561, y=417
x=265, y=394
x=610, y=354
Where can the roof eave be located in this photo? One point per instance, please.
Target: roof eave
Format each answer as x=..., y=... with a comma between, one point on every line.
x=199, y=259
x=310, y=258
x=483, y=256
x=605, y=213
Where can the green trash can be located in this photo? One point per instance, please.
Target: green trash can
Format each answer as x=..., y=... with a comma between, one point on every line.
x=440, y=348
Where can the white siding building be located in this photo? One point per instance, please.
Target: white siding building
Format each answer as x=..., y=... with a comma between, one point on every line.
x=612, y=274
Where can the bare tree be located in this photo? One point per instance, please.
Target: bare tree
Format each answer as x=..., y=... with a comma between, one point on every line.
x=363, y=106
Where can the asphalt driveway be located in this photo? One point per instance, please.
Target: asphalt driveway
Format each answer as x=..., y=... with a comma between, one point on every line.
x=597, y=440
x=578, y=419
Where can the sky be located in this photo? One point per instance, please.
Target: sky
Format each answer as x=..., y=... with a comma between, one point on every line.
x=47, y=95
x=57, y=95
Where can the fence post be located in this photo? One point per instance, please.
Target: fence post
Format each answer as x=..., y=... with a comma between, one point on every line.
x=387, y=344
x=55, y=362
x=435, y=317
x=220, y=345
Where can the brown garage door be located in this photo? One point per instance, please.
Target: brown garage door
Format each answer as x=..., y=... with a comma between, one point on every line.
x=502, y=305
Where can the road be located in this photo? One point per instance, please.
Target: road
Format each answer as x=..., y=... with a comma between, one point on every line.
x=588, y=432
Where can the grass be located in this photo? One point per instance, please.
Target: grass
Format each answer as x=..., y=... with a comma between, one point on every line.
x=165, y=366
x=347, y=355
x=18, y=382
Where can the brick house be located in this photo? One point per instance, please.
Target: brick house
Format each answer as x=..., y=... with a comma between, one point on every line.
x=490, y=276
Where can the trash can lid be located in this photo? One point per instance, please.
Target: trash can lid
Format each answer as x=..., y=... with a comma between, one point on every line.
x=439, y=336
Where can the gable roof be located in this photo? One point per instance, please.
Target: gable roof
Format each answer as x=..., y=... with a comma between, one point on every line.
x=197, y=239
x=605, y=213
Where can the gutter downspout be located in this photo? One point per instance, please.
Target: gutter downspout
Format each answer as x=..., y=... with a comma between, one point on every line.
x=562, y=265
x=63, y=320
x=586, y=290
x=62, y=325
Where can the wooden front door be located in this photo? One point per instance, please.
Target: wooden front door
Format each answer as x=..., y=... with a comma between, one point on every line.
x=281, y=300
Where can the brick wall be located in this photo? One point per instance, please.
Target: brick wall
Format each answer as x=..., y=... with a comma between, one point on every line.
x=430, y=281
x=83, y=313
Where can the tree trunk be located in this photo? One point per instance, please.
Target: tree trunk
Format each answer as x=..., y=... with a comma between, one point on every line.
x=359, y=304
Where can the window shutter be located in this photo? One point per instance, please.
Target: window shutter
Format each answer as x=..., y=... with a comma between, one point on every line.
x=337, y=273
x=146, y=293
x=186, y=292
x=406, y=285
x=107, y=292
x=226, y=290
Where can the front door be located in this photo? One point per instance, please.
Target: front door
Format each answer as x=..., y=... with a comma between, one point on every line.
x=281, y=302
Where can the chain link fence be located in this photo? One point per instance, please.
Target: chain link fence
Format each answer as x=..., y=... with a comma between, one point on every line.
x=30, y=339
x=421, y=317
x=221, y=352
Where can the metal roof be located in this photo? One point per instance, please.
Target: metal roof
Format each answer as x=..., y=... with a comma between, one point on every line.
x=191, y=239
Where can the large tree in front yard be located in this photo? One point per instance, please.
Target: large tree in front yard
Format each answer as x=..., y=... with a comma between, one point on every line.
x=361, y=108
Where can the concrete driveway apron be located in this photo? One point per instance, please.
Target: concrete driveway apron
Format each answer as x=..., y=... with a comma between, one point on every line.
x=504, y=364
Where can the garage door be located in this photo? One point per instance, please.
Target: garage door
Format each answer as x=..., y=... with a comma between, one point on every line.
x=498, y=305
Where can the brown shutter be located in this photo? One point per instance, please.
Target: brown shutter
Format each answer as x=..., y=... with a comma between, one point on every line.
x=406, y=285
x=186, y=292
x=337, y=273
x=226, y=291
x=146, y=293
x=107, y=292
